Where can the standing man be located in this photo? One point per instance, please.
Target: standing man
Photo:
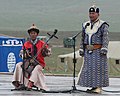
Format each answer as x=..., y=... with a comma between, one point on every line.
x=94, y=48
x=33, y=63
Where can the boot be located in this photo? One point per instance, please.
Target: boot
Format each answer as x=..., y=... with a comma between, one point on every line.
x=97, y=90
x=30, y=85
x=16, y=84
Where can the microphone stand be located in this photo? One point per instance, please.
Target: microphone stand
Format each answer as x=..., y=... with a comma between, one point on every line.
x=74, y=89
x=74, y=62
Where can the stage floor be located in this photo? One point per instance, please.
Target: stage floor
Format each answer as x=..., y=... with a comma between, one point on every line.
x=57, y=83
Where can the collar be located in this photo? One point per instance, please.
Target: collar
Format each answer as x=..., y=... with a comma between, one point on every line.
x=34, y=42
x=92, y=23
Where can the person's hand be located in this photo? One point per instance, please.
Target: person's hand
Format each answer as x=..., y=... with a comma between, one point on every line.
x=103, y=52
x=81, y=52
x=46, y=52
x=32, y=61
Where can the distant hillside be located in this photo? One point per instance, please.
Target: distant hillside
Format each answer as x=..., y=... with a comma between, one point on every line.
x=114, y=36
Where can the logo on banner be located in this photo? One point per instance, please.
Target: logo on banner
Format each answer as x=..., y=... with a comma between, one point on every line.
x=10, y=42
x=11, y=61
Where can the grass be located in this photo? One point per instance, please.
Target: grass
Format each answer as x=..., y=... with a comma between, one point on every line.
x=52, y=61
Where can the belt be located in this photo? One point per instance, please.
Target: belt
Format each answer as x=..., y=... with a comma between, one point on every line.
x=93, y=47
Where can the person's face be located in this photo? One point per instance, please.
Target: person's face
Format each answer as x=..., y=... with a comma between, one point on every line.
x=93, y=16
x=33, y=35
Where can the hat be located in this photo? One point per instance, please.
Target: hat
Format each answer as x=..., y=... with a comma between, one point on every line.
x=33, y=28
x=94, y=9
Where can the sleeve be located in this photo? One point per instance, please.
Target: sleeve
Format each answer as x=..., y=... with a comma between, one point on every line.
x=82, y=38
x=21, y=54
x=81, y=50
x=105, y=39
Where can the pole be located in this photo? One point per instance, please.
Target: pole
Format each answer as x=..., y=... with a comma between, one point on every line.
x=74, y=62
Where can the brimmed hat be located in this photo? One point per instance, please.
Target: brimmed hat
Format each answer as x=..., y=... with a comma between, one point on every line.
x=94, y=9
x=33, y=28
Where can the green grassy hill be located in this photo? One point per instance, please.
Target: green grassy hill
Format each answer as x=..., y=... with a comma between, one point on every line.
x=114, y=36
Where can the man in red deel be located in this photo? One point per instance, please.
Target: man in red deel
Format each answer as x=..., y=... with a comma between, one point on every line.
x=33, y=53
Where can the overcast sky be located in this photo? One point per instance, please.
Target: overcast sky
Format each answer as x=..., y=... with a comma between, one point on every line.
x=64, y=15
